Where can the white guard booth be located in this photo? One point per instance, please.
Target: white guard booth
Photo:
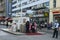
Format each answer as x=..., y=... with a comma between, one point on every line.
x=20, y=21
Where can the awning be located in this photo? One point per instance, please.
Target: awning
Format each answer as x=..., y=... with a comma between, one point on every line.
x=56, y=12
x=8, y=19
x=2, y=17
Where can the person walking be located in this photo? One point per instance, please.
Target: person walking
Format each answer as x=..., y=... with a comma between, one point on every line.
x=56, y=26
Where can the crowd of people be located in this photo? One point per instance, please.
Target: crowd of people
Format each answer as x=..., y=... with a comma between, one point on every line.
x=31, y=27
x=45, y=25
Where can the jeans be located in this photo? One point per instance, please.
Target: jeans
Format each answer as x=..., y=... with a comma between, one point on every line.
x=55, y=33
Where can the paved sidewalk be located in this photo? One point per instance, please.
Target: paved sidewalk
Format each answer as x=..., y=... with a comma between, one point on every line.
x=47, y=31
x=16, y=33
x=7, y=36
x=11, y=32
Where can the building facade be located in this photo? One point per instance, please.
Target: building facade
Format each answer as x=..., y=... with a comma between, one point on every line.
x=36, y=8
x=54, y=10
x=5, y=10
x=19, y=6
x=2, y=7
x=8, y=8
x=2, y=11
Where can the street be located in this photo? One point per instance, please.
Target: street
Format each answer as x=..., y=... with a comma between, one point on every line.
x=29, y=19
x=7, y=36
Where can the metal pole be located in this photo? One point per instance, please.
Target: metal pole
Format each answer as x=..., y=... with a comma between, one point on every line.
x=21, y=9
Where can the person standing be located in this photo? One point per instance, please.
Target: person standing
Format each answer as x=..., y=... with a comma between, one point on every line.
x=14, y=27
x=7, y=24
x=30, y=25
x=34, y=27
x=56, y=26
x=27, y=27
x=45, y=24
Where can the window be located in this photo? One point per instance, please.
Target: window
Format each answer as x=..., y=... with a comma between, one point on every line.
x=46, y=4
x=14, y=2
x=41, y=5
x=31, y=1
x=19, y=0
x=38, y=6
x=35, y=6
x=13, y=7
x=17, y=11
x=19, y=5
x=13, y=11
x=54, y=3
x=37, y=0
x=25, y=3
